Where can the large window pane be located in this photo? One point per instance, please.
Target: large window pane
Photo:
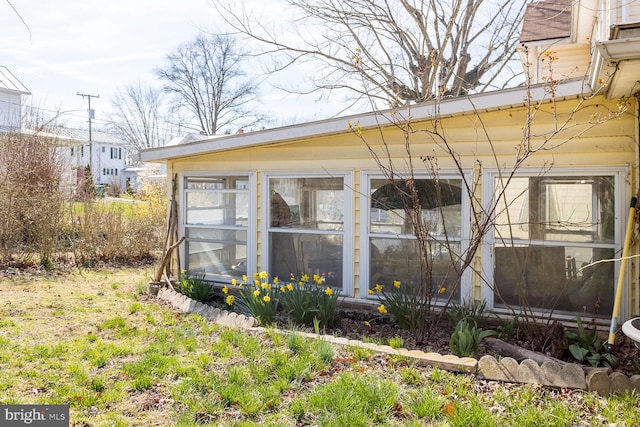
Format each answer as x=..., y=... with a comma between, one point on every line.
x=576, y=215
x=399, y=259
x=309, y=203
x=316, y=206
x=554, y=277
x=440, y=203
x=297, y=253
x=393, y=249
x=216, y=222
x=571, y=209
x=218, y=258
x=217, y=208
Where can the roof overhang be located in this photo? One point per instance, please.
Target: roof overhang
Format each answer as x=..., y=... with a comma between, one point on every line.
x=617, y=66
x=449, y=107
x=10, y=83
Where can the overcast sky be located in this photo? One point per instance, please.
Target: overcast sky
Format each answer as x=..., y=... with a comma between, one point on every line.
x=95, y=47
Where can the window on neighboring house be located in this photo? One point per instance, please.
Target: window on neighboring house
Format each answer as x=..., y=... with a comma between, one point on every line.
x=550, y=236
x=119, y=153
x=82, y=151
x=72, y=151
x=104, y=171
x=393, y=247
x=216, y=225
x=116, y=172
x=306, y=233
x=103, y=148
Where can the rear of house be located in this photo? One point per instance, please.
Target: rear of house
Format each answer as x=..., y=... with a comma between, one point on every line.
x=312, y=198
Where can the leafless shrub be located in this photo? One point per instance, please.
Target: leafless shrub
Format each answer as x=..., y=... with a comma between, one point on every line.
x=119, y=231
x=30, y=177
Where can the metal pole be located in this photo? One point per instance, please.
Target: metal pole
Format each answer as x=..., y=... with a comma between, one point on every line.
x=90, y=139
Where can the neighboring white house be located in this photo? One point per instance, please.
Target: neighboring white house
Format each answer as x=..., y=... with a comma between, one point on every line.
x=11, y=92
x=103, y=152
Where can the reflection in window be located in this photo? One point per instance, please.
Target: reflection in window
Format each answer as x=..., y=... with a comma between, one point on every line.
x=307, y=223
x=216, y=224
x=547, y=234
x=393, y=249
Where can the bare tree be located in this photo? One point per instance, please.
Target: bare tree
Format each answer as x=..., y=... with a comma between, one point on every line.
x=143, y=117
x=394, y=50
x=206, y=76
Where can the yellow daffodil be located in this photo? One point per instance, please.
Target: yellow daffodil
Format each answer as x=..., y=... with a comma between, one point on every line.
x=225, y=290
x=370, y=292
x=328, y=291
x=289, y=286
x=276, y=280
x=230, y=299
x=263, y=274
x=245, y=278
x=382, y=309
x=318, y=279
x=304, y=278
x=266, y=298
x=349, y=125
x=367, y=323
x=264, y=286
x=283, y=289
x=256, y=282
x=442, y=290
x=256, y=293
x=256, y=276
x=378, y=287
x=234, y=282
x=396, y=284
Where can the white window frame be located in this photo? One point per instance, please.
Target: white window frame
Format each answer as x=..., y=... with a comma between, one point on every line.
x=466, y=286
x=347, y=232
x=252, y=221
x=621, y=194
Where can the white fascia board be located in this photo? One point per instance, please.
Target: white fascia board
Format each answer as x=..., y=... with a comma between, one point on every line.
x=449, y=107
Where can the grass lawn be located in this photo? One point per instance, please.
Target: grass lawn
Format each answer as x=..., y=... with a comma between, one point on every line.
x=93, y=340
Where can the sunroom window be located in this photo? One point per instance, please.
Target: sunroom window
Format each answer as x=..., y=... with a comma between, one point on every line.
x=216, y=225
x=551, y=238
x=394, y=253
x=306, y=228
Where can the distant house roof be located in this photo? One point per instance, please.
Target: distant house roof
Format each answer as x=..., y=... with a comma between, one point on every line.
x=546, y=20
x=83, y=135
x=190, y=137
x=9, y=82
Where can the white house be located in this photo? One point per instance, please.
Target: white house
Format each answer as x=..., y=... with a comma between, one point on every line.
x=103, y=152
x=11, y=92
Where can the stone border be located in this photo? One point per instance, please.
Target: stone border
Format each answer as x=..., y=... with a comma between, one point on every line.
x=488, y=367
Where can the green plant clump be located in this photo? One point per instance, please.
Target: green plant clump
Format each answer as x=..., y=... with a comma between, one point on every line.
x=405, y=305
x=195, y=287
x=586, y=346
x=466, y=338
x=305, y=300
x=260, y=299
